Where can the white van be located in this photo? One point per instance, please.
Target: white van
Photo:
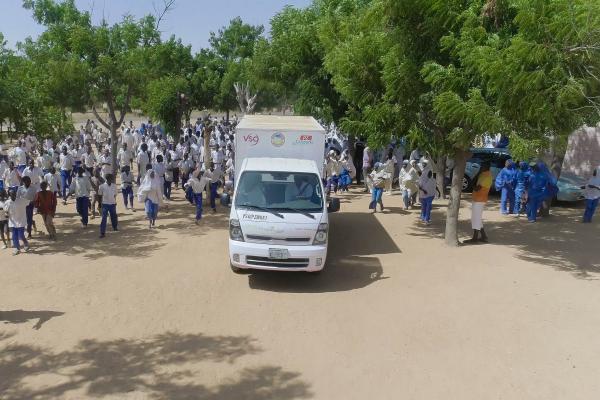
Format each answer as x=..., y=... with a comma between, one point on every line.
x=279, y=213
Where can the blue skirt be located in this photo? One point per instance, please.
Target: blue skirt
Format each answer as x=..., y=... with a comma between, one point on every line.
x=151, y=209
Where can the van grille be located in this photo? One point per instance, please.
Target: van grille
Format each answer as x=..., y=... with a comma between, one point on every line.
x=273, y=240
x=285, y=263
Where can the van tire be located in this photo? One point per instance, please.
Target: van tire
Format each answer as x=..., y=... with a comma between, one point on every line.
x=467, y=185
x=236, y=270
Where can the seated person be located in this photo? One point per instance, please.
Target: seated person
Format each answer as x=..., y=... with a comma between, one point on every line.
x=251, y=192
x=300, y=190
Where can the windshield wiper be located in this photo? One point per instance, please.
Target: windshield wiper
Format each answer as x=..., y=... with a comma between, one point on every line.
x=298, y=211
x=253, y=207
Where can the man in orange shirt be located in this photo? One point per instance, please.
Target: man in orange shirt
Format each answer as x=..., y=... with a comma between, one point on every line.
x=480, y=197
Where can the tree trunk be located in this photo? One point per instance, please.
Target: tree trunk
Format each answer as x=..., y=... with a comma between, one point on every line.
x=177, y=132
x=113, y=148
x=440, y=177
x=460, y=162
x=227, y=115
x=207, y=154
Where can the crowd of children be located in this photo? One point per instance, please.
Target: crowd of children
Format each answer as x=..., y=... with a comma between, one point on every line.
x=34, y=175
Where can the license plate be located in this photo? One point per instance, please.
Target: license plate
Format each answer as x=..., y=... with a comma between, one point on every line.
x=278, y=254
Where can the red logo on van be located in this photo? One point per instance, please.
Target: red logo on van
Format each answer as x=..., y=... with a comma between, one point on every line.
x=306, y=138
x=252, y=139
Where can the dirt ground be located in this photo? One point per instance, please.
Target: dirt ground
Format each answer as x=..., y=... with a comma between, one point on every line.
x=396, y=315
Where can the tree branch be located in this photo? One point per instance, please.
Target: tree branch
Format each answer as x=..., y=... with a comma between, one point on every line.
x=168, y=5
x=125, y=106
x=99, y=118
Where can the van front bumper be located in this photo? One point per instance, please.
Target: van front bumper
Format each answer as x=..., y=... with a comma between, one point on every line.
x=246, y=255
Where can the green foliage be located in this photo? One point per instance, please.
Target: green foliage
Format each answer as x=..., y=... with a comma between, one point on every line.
x=227, y=61
x=163, y=102
x=290, y=65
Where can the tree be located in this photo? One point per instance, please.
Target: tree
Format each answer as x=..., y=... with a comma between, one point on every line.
x=231, y=50
x=444, y=73
x=166, y=97
x=290, y=65
x=164, y=102
x=112, y=56
x=512, y=70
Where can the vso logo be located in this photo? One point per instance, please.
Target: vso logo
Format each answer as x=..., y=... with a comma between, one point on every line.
x=278, y=139
x=251, y=139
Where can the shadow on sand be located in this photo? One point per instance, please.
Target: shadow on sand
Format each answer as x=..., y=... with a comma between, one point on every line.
x=560, y=241
x=21, y=316
x=134, y=239
x=355, y=240
x=155, y=368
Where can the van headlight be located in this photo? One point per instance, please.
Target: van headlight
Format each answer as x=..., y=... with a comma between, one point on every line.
x=235, y=231
x=321, y=235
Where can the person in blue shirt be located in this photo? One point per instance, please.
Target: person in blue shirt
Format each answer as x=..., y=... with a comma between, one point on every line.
x=505, y=183
x=536, y=188
x=522, y=179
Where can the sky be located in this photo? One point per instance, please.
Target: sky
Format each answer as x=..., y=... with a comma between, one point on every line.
x=190, y=20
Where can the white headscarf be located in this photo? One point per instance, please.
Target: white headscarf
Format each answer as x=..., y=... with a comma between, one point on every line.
x=149, y=184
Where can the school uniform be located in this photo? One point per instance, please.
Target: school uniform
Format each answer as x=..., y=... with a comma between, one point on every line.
x=66, y=168
x=12, y=179
x=109, y=206
x=81, y=188
x=53, y=183
x=426, y=194
x=106, y=162
x=45, y=161
x=89, y=162
x=125, y=157
x=29, y=195
x=215, y=177
x=197, y=186
x=185, y=166
x=176, y=156
x=36, y=175
x=3, y=218
x=127, y=188
x=20, y=159
x=17, y=220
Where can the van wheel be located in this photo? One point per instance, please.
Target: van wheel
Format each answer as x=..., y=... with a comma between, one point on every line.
x=236, y=270
x=467, y=184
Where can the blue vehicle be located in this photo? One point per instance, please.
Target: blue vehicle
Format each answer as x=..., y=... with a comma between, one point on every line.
x=570, y=187
x=494, y=156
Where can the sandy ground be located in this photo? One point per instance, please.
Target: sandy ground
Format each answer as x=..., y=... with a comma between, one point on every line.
x=396, y=315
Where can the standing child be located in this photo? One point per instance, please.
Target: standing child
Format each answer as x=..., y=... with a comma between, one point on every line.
x=108, y=191
x=215, y=174
x=82, y=187
x=17, y=220
x=4, y=219
x=127, y=186
x=168, y=176
x=12, y=177
x=96, y=199
x=592, y=196
x=427, y=188
x=376, y=179
x=45, y=202
x=53, y=181
x=197, y=183
x=150, y=193
x=28, y=192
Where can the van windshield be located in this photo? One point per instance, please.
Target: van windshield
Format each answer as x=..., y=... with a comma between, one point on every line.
x=284, y=191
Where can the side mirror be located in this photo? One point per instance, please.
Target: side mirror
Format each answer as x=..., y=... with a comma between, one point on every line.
x=225, y=200
x=334, y=205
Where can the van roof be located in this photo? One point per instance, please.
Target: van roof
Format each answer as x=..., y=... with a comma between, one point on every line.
x=279, y=123
x=280, y=165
